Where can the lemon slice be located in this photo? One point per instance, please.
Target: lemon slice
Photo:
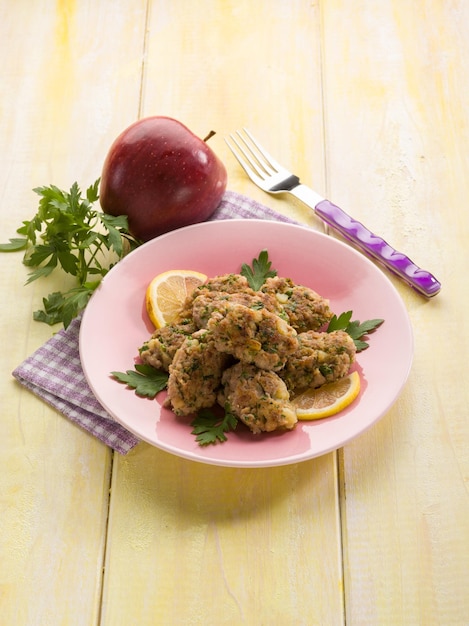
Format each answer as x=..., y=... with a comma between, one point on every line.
x=327, y=400
x=167, y=292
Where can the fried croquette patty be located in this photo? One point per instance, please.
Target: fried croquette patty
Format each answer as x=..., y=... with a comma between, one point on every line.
x=195, y=374
x=223, y=284
x=259, y=398
x=253, y=336
x=160, y=349
x=209, y=302
x=303, y=307
x=320, y=358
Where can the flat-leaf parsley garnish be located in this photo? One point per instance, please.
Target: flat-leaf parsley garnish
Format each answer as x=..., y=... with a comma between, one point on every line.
x=147, y=381
x=210, y=428
x=355, y=329
x=260, y=270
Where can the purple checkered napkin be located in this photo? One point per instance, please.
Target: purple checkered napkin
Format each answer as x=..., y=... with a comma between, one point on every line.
x=54, y=371
x=236, y=206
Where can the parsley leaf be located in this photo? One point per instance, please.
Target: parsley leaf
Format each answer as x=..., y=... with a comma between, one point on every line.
x=259, y=272
x=355, y=329
x=339, y=323
x=210, y=428
x=67, y=233
x=16, y=243
x=146, y=380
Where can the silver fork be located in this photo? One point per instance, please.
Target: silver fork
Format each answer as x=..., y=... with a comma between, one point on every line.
x=272, y=177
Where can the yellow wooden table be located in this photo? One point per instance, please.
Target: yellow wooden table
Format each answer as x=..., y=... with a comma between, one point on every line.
x=368, y=102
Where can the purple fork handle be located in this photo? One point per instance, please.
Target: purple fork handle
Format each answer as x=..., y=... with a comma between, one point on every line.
x=421, y=280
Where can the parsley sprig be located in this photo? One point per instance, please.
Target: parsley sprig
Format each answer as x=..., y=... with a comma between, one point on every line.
x=147, y=381
x=357, y=330
x=69, y=234
x=210, y=428
x=260, y=270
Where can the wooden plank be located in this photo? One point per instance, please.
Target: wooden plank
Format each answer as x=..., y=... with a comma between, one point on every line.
x=197, y=544
x=63, y=80
x=233, y=64
x=396, y=148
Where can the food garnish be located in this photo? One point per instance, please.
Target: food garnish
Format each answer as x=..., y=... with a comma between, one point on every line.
x=147, y=381
x=67, y=233
x=259, y=271
x=327, y=400
x=167, y=292
x=210, y=428
x=355, y=329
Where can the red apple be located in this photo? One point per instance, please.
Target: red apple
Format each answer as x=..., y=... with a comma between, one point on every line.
x=162, y=176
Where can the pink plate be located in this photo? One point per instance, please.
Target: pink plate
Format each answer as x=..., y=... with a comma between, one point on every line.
x=115, y=325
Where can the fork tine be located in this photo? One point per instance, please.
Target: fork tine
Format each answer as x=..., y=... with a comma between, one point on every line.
x=254, y=157
x=259, y=165
x=268, y=157
x=247, y=163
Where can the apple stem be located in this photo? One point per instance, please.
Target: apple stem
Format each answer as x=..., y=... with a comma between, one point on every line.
x=211, y=133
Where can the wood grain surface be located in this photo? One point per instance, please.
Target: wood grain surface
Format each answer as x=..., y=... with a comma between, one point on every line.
x=368, y=103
